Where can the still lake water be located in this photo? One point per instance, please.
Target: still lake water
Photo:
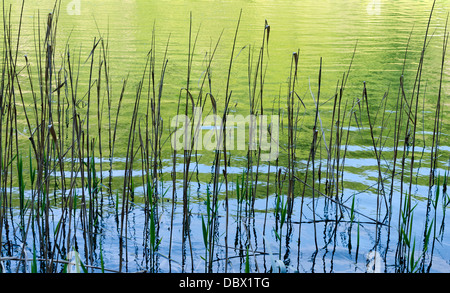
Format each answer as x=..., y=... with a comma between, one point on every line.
x=321, y=30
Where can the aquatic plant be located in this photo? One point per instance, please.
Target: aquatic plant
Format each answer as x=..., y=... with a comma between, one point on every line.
x=54, y=201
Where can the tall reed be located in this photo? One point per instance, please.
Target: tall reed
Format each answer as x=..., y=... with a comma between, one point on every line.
x=76, y=129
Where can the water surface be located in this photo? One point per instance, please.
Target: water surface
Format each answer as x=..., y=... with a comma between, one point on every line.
x=371, y=36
